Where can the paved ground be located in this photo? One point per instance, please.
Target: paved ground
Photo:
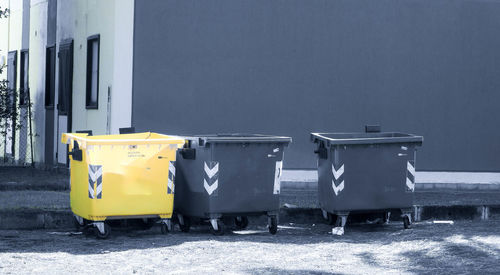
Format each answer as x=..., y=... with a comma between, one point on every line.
x=18, y=178
x=292, y=197
x=34, y=200
x=464, y=247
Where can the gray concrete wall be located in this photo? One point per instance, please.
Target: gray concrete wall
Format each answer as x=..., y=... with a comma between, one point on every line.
x=296, y=66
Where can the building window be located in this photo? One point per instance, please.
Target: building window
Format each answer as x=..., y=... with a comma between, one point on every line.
x=65, y=77
x=23, y=91
x=50, y=76
x=92, y=72
x=11, y=86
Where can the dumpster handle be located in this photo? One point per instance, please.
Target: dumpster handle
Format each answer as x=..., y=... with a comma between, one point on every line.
x=321, y=151
x=76, y=152
x=188, y=153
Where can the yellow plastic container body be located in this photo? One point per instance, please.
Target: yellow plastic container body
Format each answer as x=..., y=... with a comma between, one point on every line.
x=122, y=176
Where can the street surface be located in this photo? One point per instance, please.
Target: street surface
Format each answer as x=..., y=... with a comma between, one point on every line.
x=461, y=247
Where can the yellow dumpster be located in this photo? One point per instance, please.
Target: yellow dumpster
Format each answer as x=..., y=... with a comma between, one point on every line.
x=121, y=177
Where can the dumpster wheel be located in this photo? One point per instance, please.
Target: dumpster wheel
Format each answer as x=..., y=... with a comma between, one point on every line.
x=331, y=219
x=83, y=225
x=164, y=229
x=79, y=223
x=166, y=226
x=106, y=230
x=387, y=217
x=406, y=222
x=184, y=223
x=241, y=222
x=273, y=224
x=217, y=227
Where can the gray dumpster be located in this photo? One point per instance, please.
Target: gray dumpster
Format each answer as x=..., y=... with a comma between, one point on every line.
x=365, y=172
x=229, y=175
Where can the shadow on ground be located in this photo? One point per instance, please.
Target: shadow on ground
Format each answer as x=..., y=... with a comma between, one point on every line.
x=290, y=233
x=273, y=271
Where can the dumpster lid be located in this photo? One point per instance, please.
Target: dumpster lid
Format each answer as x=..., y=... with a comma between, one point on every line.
x=240, y=138
x=125, y=139
x=365, y=138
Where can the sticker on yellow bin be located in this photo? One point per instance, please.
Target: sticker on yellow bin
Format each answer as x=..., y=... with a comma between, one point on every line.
x=122, y=175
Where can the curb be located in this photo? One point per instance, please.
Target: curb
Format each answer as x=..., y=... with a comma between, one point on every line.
x=456, y=212
x=14, y=186
x=420, y=213
x=35, y=219
x=57, y=219
x=419, y=186
x=457, y=186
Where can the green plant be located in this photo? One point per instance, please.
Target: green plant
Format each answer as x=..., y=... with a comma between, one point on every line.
x=10, y=111
x=11, y=115
x=6, y=106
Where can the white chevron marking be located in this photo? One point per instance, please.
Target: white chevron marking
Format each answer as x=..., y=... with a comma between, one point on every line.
x=98, y=189
x=171, y=168
x=410, y=168
x=277, y=176
x=91, y=190
x=338, y=173
x=410, y=184
x=337, y=189
x=210, y=188
x=211, y=172
x=171, y=176
x=94, y=175
x=171, y=185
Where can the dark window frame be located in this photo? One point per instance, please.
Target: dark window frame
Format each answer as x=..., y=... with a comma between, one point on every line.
x=12, y=90
x=12, y=87
x=88, y=104
x=50, y=100
x=16, y=63
x=23, y=91
x=63, y=108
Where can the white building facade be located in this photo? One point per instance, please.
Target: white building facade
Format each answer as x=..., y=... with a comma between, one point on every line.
x=78, y=77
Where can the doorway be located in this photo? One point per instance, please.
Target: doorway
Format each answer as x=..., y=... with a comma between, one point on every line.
x=50, y=79
x=65, y=98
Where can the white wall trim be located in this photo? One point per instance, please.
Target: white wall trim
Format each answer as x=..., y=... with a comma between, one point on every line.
x=121, y=92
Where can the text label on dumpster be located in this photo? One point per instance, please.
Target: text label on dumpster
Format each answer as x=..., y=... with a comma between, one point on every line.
x=136, y=154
